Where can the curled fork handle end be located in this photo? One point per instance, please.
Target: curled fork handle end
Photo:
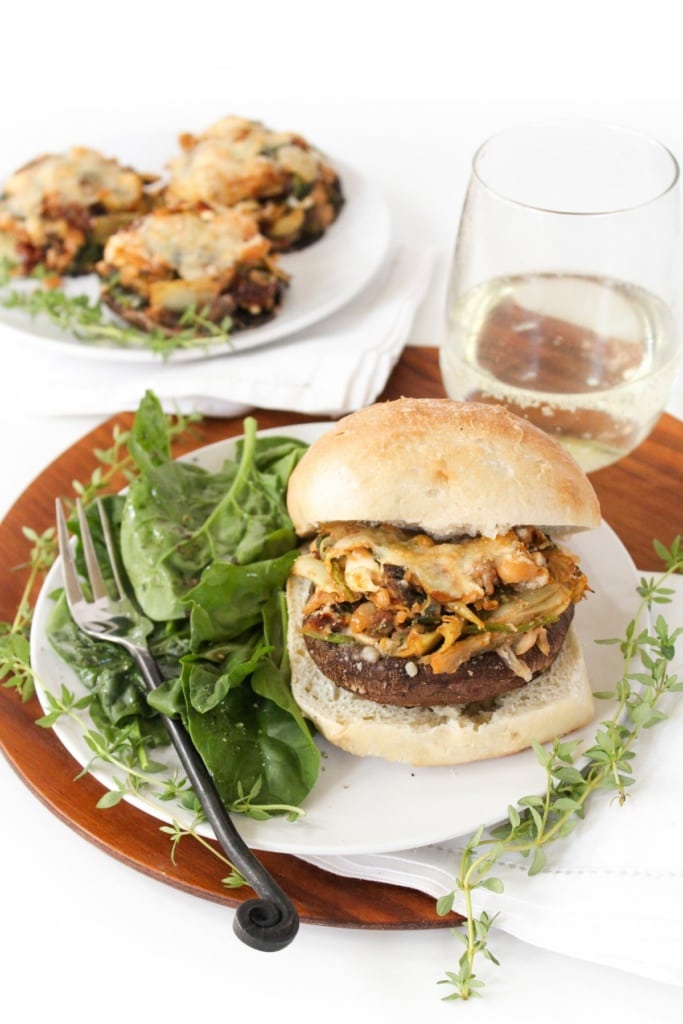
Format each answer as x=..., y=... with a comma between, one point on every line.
x=264, y=925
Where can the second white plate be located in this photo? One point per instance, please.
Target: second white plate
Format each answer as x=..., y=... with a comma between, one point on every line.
x=324, y=277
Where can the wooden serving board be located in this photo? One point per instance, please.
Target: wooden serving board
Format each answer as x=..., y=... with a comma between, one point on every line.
x=641, y=497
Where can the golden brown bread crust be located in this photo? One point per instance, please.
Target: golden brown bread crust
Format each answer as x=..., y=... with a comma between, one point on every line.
x=445, y=467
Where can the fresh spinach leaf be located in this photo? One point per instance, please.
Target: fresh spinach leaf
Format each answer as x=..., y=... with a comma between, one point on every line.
x=247, y=741
x=207, y=556
x=178, y=519
x=230, y=598
x=107, y=672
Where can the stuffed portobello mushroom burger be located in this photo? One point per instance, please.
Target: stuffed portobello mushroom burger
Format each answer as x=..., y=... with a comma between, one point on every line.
x=431, y=605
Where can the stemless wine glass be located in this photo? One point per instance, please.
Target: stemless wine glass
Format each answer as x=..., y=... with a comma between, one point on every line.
x=564, y=294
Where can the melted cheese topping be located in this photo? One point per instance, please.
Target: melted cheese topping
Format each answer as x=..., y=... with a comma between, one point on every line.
x=405, y=595
x=235, y=160
x=191, y=245
x=82, y=176
x=463, y=571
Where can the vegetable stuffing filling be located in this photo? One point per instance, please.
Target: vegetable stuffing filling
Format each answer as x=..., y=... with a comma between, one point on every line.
x=402, y=594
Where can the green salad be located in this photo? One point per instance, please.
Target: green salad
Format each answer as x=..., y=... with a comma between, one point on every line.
x=206, y=556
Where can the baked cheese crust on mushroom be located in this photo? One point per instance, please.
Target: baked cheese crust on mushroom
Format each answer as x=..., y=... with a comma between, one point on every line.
x=216, y=264
x=287, y=184
x=58, y=210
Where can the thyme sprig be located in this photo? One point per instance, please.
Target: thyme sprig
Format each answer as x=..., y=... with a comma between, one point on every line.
x=145, y=780
x=540, y=819
x=140, y=776
x=176, y=832
x=89, y=322
x=125, y=750
x=15, y=661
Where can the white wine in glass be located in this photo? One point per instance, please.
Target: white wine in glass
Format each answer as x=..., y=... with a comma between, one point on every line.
x=564, y=294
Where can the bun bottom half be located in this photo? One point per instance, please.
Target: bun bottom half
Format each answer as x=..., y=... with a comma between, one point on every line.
x=551, y=705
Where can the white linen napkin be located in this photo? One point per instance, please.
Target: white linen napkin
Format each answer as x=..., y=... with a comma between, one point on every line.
x=612, y=892
x=331, y=368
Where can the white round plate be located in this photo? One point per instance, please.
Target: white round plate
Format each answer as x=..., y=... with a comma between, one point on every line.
x=366, y=805
x=324, y=277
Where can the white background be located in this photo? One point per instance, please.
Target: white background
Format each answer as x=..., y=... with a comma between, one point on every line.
x=405, y=92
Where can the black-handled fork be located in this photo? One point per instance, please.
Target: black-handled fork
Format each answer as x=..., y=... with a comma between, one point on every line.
x=268, y=922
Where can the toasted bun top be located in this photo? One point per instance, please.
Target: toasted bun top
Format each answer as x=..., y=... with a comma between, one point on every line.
x=441, y=466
